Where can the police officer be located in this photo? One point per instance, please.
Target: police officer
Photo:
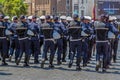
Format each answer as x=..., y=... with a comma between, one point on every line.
x=86, y=32
x=49, y=43
x=116, y=40
x=64, y=37
x=59, y=31
x=76, y=22
x=34, y=39
x=14, y=43
x=69, y=19
x=6, y=25
x=74, y=31
x=3, y=41
x=111, y=37
x=42, y=19
x=102, y=28
x=6, y=21
x=23, y=40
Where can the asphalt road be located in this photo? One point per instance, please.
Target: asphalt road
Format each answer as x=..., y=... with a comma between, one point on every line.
x=34, y=72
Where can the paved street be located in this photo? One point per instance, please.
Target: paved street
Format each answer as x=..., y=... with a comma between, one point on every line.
x=13, y=72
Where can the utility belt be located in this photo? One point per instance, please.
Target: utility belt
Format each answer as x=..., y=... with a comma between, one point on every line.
x=35, y=35
x=98, y=41
x=23, y=38
x=76, y=39
x=2, y=37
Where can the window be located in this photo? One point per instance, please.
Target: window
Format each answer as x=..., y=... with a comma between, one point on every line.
x=82, y=12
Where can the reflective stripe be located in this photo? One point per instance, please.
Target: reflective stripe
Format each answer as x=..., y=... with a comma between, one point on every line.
x=102, y=41
x=75, y=39
x=49, y=39
x=2, y=37
x=22, y=38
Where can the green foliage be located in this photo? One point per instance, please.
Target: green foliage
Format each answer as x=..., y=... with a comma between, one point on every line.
x=14, y=7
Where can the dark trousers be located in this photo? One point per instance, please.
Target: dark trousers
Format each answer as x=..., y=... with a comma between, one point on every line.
x=35, y=48
x=115, y=48
x=14, y=45
x=59, y=48
x=64, y=48
x=85, y=50
x=102, y=52
x=76, y=49
x=41, y=42
x=24, y=47
x=49, y=45
x=3, y=48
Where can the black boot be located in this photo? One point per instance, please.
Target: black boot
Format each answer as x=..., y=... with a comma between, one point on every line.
x=98, y=65
x=78, y=68
x=51, y=62
x=26, y=62
x=114, y=58
x=4, y=62
x=42, y=63
x=18, y=61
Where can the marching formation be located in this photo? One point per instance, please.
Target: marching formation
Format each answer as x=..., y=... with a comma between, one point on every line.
x=81, y=38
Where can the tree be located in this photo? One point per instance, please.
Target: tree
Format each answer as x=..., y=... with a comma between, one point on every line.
x=1, y=6
x=14, y=7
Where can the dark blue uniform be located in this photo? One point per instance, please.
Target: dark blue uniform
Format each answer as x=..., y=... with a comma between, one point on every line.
x=75, y=44
x=49, y=43
x=3, y=43
x=14, y=42
x=34, y=40
x=102, y=44
x=23, y=42
x=60, y=29
x=64, y=43
x=86, y=32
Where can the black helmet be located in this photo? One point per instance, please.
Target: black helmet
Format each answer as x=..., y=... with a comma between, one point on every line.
x=22, y=17
x=15, y=18
x=56, y=18
x=47, y=17
x=75, y=16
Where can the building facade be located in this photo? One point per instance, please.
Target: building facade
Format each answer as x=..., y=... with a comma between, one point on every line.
x=83, y=7
x=64, y=7
x=46, y=7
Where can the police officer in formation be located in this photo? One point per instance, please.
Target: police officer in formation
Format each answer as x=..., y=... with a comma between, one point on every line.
x=47, y=29
x=104, y=31
x=23, y=40
x=14, y=42
x=33, y=26
x=56, y=35
x=3, y=41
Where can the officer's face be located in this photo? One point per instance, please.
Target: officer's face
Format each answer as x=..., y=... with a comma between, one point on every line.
x=24, y=20
x=42, y=20
x=86, y=21
x=63, y=20
x=15, y=20
x=1, y=19
x=5, y=20
x=34, y=19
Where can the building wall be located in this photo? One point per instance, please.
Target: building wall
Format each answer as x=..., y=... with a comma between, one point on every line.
x=83, y=7
x=54, y=7
x=64, y=7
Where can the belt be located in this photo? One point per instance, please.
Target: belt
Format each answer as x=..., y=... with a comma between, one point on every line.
x=22, y=38
x=75, y=39
x=2, y=37
x=51, y=39
x=102, y=41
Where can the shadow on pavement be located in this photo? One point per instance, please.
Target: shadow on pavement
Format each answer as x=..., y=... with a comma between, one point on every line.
x=5, y=74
